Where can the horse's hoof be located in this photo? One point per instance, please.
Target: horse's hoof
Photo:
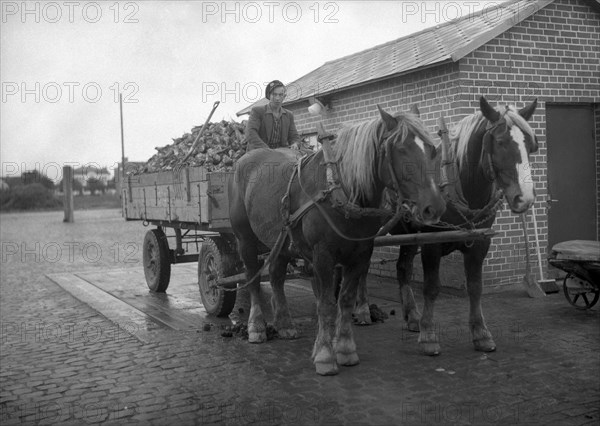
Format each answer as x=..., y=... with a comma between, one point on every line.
x=431, y=349
x=326, y=368
x=362, y=315
x=257, y=337
x=413, y=325
x=363, y=319
x=287, y=333
x=348, y=359
x=484, y=345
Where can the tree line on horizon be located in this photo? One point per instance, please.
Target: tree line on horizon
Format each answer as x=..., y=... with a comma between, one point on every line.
x=34, y=190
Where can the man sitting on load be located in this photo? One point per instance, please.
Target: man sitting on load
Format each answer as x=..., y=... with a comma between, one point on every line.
x=271, y=125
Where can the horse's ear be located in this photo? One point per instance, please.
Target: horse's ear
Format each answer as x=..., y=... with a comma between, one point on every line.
x=528, y=111
x=488, y=112
x=390, y=122
x=415, y=110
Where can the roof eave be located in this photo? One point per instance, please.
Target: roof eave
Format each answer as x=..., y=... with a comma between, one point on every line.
x=448, y=60
x=354, y=86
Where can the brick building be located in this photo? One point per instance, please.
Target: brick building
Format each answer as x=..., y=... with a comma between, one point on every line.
x=511, y=53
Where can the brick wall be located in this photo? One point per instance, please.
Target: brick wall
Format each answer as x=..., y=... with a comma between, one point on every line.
x=553, y=56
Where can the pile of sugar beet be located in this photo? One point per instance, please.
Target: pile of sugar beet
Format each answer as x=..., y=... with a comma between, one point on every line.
x=218, y=148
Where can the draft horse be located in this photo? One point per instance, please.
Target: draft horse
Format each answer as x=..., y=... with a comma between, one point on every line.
x=294, y=209
x=491, y=151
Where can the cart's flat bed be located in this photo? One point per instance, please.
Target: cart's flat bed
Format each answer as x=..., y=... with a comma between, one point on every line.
x=189, y=198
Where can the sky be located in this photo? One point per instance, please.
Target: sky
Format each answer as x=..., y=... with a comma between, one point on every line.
x=63, y=65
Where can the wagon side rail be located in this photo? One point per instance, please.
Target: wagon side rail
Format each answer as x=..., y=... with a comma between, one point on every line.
x=190, y=197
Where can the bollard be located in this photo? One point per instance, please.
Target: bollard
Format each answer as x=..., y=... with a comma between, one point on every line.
x=68, y=190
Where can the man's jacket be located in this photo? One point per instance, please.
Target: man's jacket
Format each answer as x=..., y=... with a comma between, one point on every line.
x=260, y=127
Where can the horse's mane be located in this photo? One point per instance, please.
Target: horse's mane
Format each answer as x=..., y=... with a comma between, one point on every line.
x=463, y=130
x=357, y=148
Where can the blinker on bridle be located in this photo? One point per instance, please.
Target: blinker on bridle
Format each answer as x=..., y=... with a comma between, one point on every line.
x=484, y=149
x=401, y=203
x=387, y=154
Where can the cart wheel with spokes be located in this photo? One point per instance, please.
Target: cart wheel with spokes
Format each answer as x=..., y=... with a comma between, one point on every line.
x=157, y=263
x=580, y=293
x=214, y=263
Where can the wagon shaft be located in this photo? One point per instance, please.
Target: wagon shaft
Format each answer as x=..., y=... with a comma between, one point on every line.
x=434, y=237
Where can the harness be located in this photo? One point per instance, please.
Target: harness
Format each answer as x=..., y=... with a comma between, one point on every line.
x=338, y=194
x=452, y=191
x=340, y=200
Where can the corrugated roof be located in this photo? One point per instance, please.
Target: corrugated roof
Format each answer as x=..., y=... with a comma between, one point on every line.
x=447, y=42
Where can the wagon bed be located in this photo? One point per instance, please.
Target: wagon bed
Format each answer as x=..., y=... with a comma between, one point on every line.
x=190, y=197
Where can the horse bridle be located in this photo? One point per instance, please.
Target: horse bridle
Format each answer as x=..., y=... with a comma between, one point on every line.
x=387, y=154
x=486, y=155
x=486, y=150
x=402, y=205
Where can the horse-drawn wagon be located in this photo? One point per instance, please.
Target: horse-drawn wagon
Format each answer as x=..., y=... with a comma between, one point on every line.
x=231, y=218
x=189, y=208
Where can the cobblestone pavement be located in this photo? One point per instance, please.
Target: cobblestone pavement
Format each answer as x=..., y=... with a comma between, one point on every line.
x=64, y=363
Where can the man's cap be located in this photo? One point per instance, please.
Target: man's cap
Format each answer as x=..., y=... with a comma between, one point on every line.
x=272, y=86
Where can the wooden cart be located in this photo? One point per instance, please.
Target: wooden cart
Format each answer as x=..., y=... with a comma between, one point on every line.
x=193, y=203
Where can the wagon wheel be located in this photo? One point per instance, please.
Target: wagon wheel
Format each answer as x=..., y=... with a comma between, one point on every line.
x=577, y=291
x=157, y=264
x=212, y=265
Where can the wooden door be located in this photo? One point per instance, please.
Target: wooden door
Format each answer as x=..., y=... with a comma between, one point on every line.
x=571, y=173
